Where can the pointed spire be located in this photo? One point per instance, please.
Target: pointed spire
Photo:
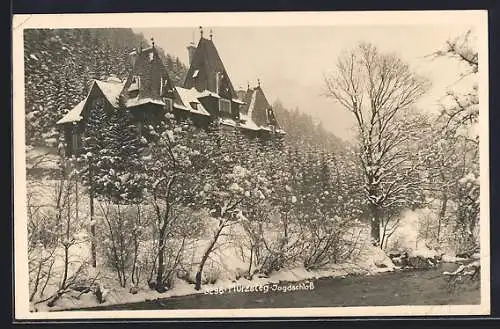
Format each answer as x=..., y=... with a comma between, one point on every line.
x=258, y=82
x=152, y=42
x=211, y=34
x=248, y=85
x=201, y=32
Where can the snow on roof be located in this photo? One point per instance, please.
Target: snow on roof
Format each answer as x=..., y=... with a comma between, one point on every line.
x=237, y=101
x=248, y=123
x=74, y=114
x=132, y=102
x=252, y=104
x=134, y=86
x=208, y=93
x=189, y=96
x=228, y=122
x=111, y=90
x=113, y=79
x=146, y=49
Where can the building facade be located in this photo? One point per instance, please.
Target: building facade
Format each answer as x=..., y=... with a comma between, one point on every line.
x=207, y=94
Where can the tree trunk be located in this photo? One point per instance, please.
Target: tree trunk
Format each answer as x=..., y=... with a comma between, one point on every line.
x=442, y=214
x=134, y=276
x=92, y=230
x=161, y=259
x=76, y=198
x=375, y=224
x=205, y=256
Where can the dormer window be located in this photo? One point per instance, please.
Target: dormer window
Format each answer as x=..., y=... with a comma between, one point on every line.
x=136, y=83
x=161, y=85
x=195, y=74
x=270, y=116
x=194, y=105
x=168, y=104
x=151, y=56
x=224, y=106
x=76, y=141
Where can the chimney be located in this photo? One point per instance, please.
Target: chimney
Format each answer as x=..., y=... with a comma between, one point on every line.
x=191, y=49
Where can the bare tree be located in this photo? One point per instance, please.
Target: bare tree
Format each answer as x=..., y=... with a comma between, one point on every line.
x=379, y=90
x=456, y=152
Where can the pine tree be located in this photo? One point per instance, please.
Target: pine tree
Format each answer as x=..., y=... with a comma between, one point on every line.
x=121, y=170
x=89, y=160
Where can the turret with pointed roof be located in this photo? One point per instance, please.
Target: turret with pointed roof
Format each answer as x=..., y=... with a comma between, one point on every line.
x=207, y=71
x=148, y=81
x=257, y=113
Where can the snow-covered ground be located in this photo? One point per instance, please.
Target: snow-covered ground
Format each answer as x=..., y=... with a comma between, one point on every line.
x=228, y=263
x=372, y=260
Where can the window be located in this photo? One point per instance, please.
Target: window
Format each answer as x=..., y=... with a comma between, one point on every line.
x=161, y=86
x=136, y=83
x=168, y=104
x=270, y=116
x=195, y=74
x=75, y=142
x=225, y=106
x=194, y=105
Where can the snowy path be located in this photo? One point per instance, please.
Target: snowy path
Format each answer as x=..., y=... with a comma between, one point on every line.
x=428, y=287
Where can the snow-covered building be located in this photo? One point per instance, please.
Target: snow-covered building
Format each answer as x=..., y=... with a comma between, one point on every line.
x=257, y=114
x=207, y=94
x=247, y=110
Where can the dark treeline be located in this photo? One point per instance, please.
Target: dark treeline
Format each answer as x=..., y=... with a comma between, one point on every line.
x=301, y=128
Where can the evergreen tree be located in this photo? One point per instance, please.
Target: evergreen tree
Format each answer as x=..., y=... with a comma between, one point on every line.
x=89, y=160
x=121, y=172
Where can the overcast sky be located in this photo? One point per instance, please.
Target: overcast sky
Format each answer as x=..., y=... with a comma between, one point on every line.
x=291, y=61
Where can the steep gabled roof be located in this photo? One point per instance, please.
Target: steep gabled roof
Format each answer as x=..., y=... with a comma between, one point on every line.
x=202, y=72
x=147, y=65
x=257, y=112
x=74, y=115
x=111, y=90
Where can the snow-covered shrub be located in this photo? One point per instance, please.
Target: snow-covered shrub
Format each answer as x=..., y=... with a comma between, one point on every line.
x=283, y=245
x=42, y=244
x=182, y=233
x=120, y=237
x=58, y=260
x=325, y=242
x=251, y=242
x=211, y=274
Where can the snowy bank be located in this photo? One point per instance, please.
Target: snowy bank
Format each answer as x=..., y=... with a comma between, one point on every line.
x=371, y=261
